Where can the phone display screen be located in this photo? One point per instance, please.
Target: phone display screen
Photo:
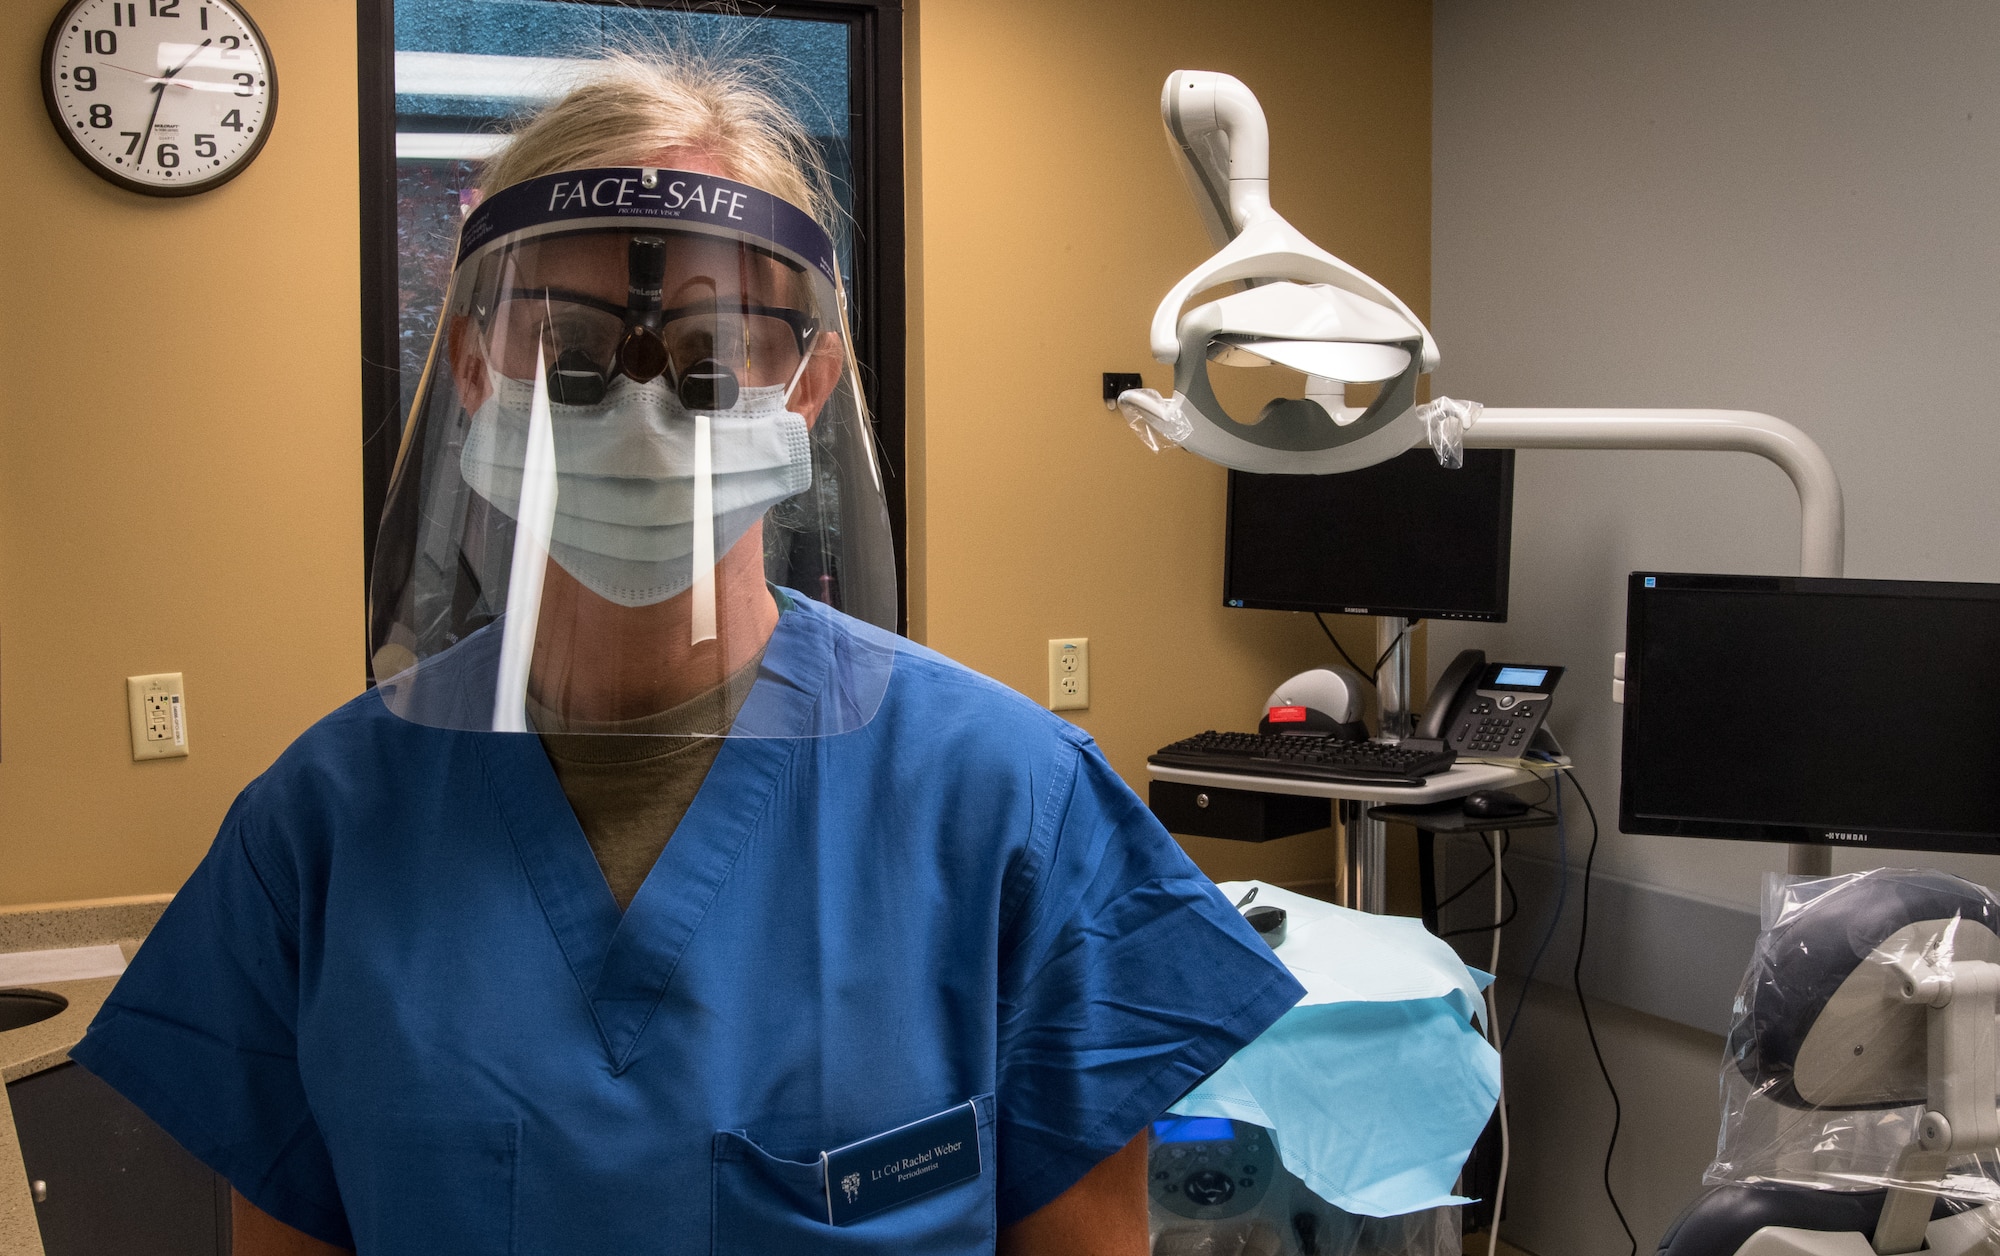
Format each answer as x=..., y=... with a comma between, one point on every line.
x=1840, y=712
x=1521, y=677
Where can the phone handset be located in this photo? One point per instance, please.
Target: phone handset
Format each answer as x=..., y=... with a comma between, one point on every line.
x=1457, y=683
x=1490, y=710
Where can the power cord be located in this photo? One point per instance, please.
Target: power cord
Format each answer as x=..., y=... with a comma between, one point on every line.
x=1477, y=877
x=1502, y=882
x=1576, y=984
x=1367, y=673
x=1552, y=785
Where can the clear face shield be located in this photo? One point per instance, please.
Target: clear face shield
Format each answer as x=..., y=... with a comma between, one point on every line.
x=637, y=411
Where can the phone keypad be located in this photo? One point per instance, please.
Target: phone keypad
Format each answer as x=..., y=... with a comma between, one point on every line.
x=1485, y=732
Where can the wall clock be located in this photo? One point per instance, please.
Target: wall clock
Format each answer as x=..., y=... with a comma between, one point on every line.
x=165, y=97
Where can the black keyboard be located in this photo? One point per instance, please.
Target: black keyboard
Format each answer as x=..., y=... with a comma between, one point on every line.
x=1315, y=758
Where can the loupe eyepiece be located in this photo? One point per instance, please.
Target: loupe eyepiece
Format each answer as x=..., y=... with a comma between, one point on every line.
x=642, y=354
x=575, y=380
x=708, y=385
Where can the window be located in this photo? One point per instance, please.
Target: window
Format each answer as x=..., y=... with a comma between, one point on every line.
x=441, y=80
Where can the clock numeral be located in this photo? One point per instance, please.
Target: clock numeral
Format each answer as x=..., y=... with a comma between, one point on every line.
x=248, y=82
x=125, y=14
x=233, y=120
x=103, y=43
x=163, y=8
x=85, y=79
x=204, y=145
x=204, y=17
x=135, y=137
x=167, y=156
x=230, y=43
x=100, y=117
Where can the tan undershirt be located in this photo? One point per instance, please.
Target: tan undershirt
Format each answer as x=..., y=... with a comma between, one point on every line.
x=630, y=782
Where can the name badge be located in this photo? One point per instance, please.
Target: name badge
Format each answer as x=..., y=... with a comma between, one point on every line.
x=894, y=1168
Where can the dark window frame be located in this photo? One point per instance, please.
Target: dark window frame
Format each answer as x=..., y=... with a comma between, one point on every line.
x=875, y=102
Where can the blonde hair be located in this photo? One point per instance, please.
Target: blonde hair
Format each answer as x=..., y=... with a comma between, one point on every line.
x=635, y=104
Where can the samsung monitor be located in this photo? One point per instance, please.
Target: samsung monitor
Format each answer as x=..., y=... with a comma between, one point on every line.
x=1827, y=712
x=1404, y=537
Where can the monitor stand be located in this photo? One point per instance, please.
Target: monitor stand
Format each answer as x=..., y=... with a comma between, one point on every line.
x=1365, y=840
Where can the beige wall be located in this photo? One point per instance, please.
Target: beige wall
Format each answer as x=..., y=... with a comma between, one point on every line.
x=1051, y=221
x=180, y=484
x=179, y=452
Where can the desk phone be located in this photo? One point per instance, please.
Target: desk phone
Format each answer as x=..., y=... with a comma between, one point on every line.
x=1489, y=709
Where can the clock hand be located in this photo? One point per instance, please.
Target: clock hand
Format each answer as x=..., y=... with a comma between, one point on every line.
x=126, y=69
x=187, y=60
x=160, y=95
x=159, y=90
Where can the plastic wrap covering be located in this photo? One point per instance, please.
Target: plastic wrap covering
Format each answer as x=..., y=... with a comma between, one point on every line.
x=1218, y=1189
x=1157, y=421
x=1862, y=1060
x=1445, y=422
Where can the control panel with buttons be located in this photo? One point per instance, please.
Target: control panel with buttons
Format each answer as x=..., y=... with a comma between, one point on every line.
x=1498, y=717
x=1208, y=1168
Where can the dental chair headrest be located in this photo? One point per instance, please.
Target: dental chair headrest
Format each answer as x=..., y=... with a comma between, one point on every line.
x=1821, y=1027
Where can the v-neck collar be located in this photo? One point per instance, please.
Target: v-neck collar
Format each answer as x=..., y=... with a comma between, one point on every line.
x=624, y=962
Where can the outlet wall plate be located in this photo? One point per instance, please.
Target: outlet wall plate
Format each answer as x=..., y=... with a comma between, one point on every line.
x=1069, y=674
x=157, y=707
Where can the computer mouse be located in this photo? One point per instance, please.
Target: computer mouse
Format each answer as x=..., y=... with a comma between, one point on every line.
x=1269, y=922
x=1493, y=804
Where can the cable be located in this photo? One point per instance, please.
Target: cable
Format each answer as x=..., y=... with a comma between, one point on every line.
x=1494, y=850
x=1321, y=621
x=1369, y=673
x=1554, y=784
x=1460, y=892
x=1400, y=634
x=1576, y=983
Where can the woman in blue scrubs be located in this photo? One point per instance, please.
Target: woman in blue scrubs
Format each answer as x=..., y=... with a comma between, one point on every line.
x=647, y=905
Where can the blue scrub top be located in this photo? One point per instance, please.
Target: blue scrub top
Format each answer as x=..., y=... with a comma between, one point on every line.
x=397, y=1007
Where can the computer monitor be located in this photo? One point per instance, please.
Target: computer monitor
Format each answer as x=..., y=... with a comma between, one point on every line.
x=1830, y=712
x=1404, y=537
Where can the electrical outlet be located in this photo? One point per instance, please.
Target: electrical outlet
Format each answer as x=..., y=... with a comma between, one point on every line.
x=158, y=708
x=1069, y=674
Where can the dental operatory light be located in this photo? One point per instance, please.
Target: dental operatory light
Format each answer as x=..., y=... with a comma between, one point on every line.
x=1300, y=307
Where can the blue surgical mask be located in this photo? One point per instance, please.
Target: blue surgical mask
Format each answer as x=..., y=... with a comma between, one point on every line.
x=625, y=477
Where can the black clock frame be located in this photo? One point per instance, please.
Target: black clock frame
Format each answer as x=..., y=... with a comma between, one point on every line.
x=89, y=159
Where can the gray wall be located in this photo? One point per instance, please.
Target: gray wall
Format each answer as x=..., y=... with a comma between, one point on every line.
x=1790, y=207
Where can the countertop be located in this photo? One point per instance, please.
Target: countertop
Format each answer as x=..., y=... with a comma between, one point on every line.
x=32, y=1048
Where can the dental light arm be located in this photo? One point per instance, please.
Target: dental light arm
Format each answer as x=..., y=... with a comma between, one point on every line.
x=1821, y=512
x=1309, y=310
x=1203, y=113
